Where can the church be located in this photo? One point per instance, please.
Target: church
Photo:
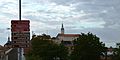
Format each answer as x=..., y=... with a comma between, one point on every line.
x=66, y=39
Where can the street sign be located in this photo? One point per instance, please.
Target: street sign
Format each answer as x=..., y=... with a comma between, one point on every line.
x=20, y=33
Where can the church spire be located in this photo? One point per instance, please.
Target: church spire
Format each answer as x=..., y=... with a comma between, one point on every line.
x=8, y=39
x=62, y=29
x=62, y=25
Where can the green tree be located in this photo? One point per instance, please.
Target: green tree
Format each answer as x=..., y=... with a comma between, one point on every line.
x=87, y=47
x=116, y=55
x=43, y=48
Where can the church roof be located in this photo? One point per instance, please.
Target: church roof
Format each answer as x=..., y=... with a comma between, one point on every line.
x=69, y=35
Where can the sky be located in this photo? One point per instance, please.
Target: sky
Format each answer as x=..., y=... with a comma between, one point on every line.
x=100, y=17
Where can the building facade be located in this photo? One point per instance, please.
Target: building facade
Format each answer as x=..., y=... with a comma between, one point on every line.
x=66, y=39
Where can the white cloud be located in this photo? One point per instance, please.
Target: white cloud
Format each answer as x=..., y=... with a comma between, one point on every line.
x=92, y=24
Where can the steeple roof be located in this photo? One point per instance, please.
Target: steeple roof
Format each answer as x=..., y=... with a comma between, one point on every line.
x=62, y=25
x=62, y=29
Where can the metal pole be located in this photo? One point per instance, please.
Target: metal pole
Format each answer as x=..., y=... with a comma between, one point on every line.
x=20, y=10
x=20, y=53
x=20, y=49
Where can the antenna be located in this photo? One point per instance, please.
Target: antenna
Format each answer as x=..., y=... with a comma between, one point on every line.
x=20, y=10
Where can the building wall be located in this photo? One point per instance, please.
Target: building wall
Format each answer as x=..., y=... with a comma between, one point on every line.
x=11, y=54
x=67, y=38
x=67, y=41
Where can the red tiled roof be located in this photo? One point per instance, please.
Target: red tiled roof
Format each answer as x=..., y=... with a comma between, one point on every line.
x=69, y=35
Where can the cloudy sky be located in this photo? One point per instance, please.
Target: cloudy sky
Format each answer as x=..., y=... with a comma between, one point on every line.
x=101, y=17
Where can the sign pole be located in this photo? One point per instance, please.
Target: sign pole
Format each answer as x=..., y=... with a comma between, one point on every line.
x=20, y=49
x=20, y=10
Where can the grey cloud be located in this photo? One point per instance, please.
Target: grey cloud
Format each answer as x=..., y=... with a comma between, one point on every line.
x=92, y=7
x=3, y=40
x=62, y=2
x=111, y=16
x=106, y=35
x=11, y=15
x=2, y=31
x=95, y=10
x=68, y=2
x=43, y=20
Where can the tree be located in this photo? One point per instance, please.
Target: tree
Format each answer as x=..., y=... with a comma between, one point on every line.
x=43, y=48
x=116, y=55
x=87, y=47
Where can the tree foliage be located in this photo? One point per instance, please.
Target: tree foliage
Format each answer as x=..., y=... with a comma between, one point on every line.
x=116, y=55
x=43, y=48
x=87, y=47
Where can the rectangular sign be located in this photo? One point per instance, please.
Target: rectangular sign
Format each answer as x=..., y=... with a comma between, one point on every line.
x=20, y=33
x=18, y=25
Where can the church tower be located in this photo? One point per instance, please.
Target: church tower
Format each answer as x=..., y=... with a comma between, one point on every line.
x=8, y=39
x=62, y=29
